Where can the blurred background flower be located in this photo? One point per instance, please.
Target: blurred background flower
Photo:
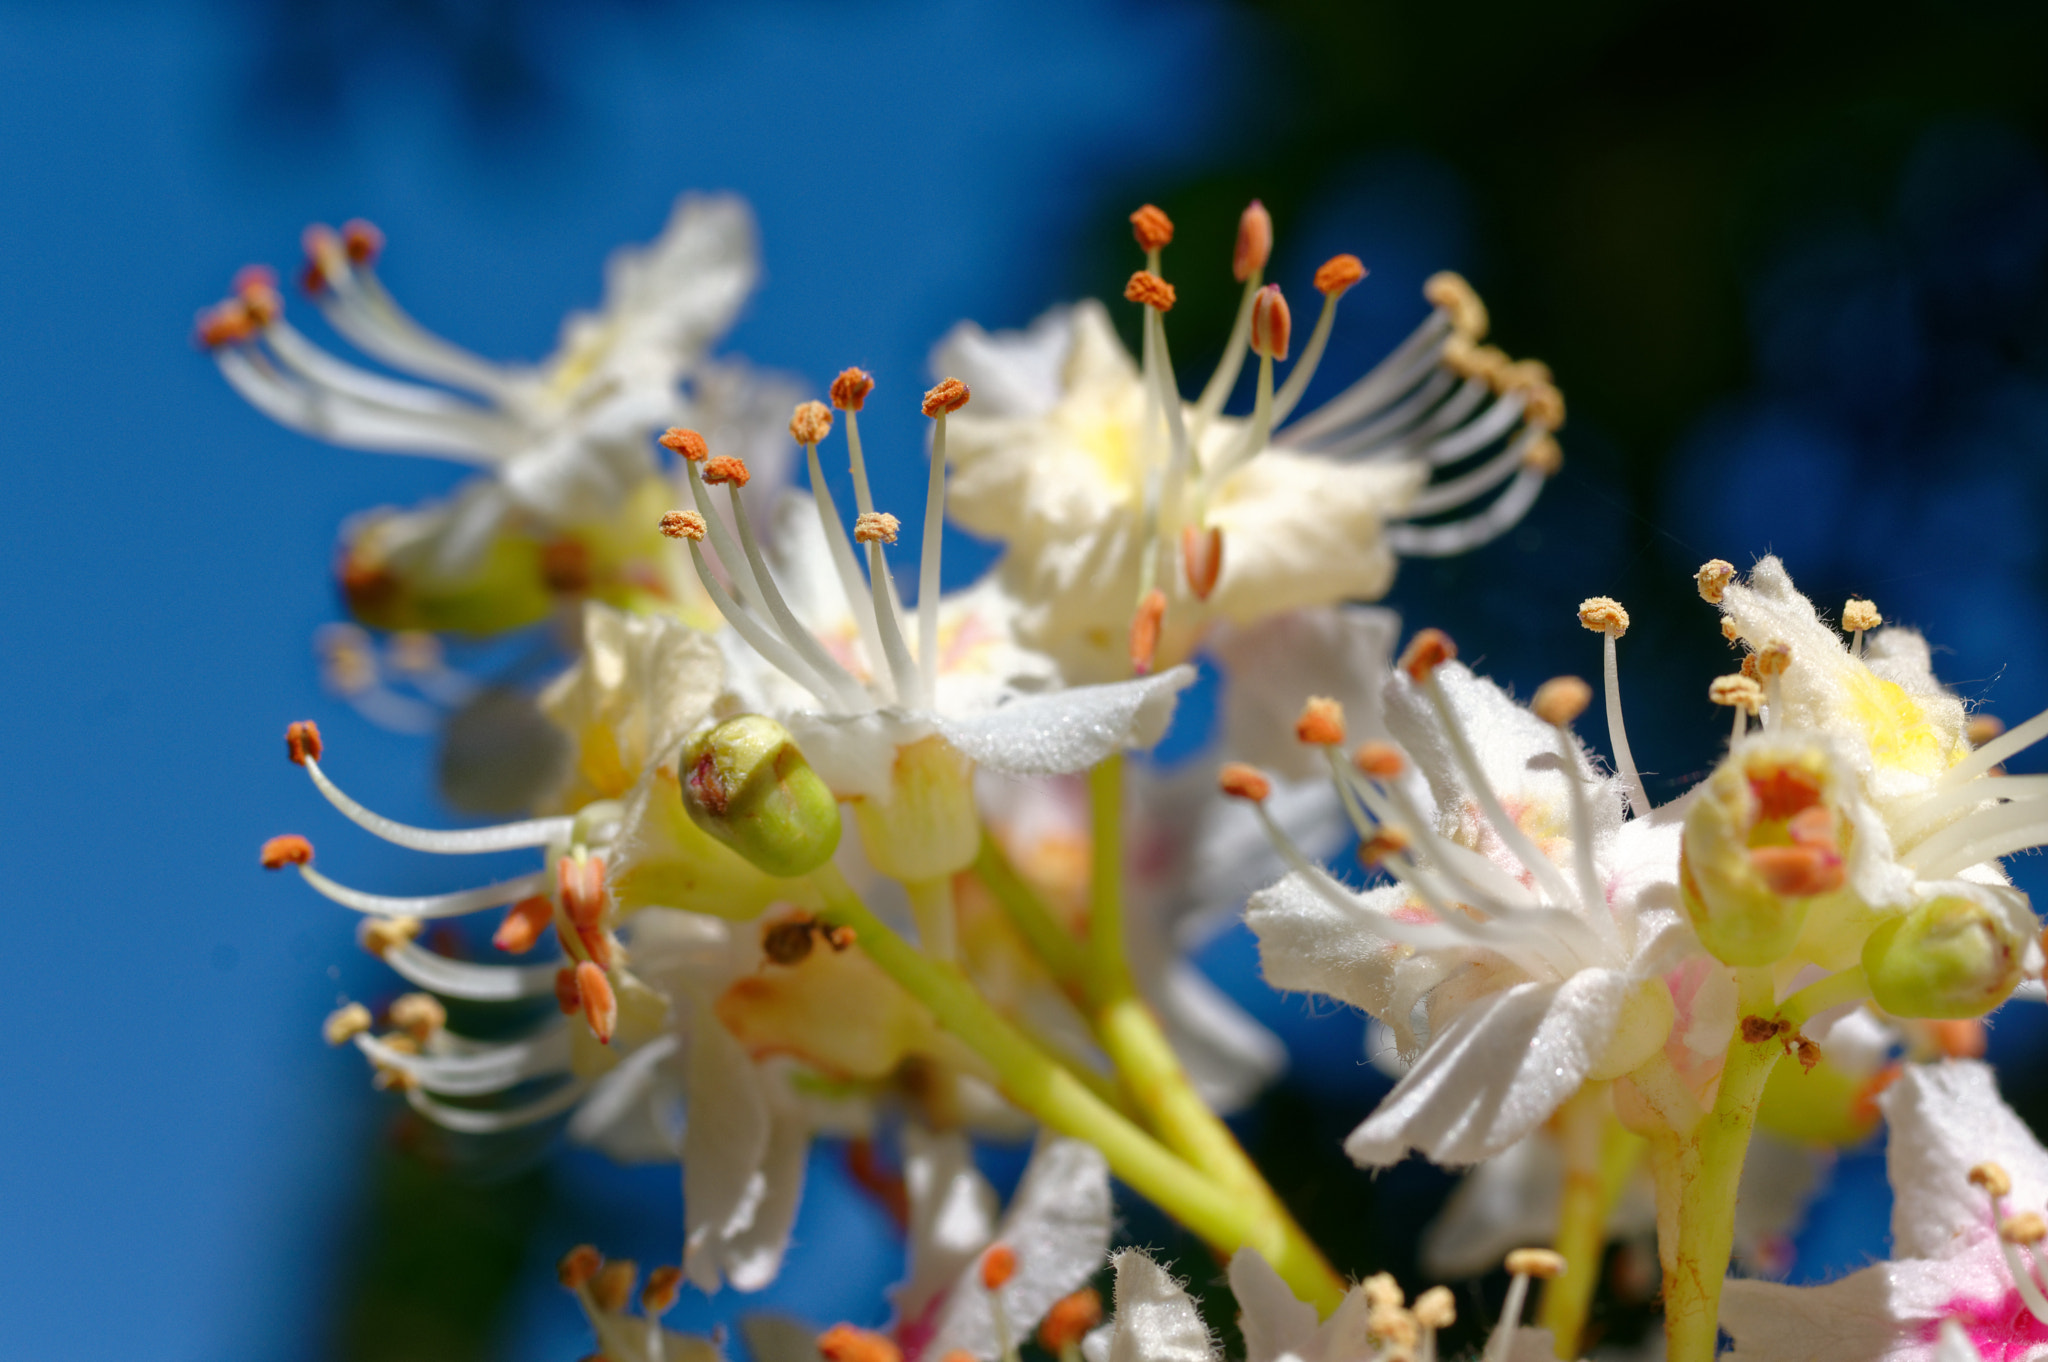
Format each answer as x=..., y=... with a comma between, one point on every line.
x=1791, y=269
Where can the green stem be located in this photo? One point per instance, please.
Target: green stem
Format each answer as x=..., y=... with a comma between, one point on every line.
x=1851, y=985
x=1599, y=1158
x=1109, y=970
x=1040, y=1086
x=1709, y=1171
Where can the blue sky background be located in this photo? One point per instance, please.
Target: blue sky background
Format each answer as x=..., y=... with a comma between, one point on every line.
x=180, y=1159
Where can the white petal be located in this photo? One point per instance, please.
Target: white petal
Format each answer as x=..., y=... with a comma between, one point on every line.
x=952, y=1214
x=1868, y=1316
x=1308, y=944
x=1011, y=373
x=724, y=1145
x=1507, y=1202
x=1299, y=530
x=1156, y=1321
x=622, y=1095
x=1496, y=1073
x=1274, y=1323
x=1946, y=1118
x=1277, y=663
x=1070, y=730
x=753, y=1250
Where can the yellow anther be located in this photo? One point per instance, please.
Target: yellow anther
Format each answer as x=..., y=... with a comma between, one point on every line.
x=1459, y=302
x=380, y=934
x=1859, y=615
x=1736, y=690
x=1993, y=1178
x=1561, y=700
x=344, y=1024
x=1544, y=455
x=1773, y=658
x=419, y=1015
x=1540, y=1263
x=1603, y=615
x=1713, y=577
x=2025, y=1228
x=1436, y=1308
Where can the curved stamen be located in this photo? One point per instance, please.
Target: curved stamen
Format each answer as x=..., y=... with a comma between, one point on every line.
x=1462, y=536
x=1933, y=809
x=489, y=1069
x=2008, y=744
x=1478, y=882
x=296, y=352
x=1470, y=438
x=744, y=587
x=1445, y=496
x=1388, y=379
x=1217, y=391
x=358, y=306
x=844, y=563
x=331, y=416
x=429, y=905
x=1401, y=423
x=758, y=635
x=1980, y=837
x=928, y=563
x=793, y=630
x=1254, y=436
x=477, y=983
x=903, y=670
x=471, y=1121
x=1617, y=732
x=533, y=832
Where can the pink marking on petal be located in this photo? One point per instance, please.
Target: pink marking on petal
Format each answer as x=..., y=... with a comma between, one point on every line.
x=2001, y=1329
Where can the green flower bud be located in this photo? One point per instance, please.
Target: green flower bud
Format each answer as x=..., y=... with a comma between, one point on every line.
x=746, y=784
x=1950, y=957
x=928, y=827
x=1760, y=847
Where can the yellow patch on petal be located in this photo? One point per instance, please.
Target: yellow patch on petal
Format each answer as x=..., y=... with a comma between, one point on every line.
x=834, y=1009
x=1901, y=736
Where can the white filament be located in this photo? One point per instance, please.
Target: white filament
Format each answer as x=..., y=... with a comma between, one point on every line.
x=471, y=1121
x=429, y=905
x=2007, y=744
x=793, y=630
x=533, y=832
x=478, y=983
x=1617, y=732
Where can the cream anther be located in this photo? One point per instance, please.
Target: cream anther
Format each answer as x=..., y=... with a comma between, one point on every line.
x=1713, y=578
x=1773, y=658
x=725, y=468
x=1382, y=844
x=1338, y=273
x=1148, y=288
x=1321, y=722
x=1459, y=302
x=850, y=390
x=1382, y=1292
x=951, y=394
x=1272, y=324
x=684, y=525
x=289, y=849
x=302, y=742
x=419, y=1015
x=345, y=1024
x=1468, y=360
x=1379, y=760
x=1727, y=628
x=1544, y=455
x=1560, y=700
x=687, y=443
x=1603, y=615
x=378, y=935
x=1859, y=615
x=1736, y=691
x=2025, y=1228
x=1151, y=227
x=1254, y=241
x=1428, y=650
x=810, y=423
x=1240, y=781
x=1992, y=1178
x=1540, y=1263
x=875, y=527
x=1436, y=1308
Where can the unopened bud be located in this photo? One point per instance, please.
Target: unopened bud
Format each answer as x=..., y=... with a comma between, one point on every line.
x=363, y=241
x=810, y=423
x=1544, y=455
x=1070, y=1320
x=1760, y=844
x=1382, y=1292
x=1982, y=728
x=1151, y=227
x=1272, y=323
x=850, y=390
x=1254, y=241
x=1773, y=658
x=1560, y=700
x=1428, y=650
x=1713, y=578
x=746, y=784
x=1952, y=956
x=1386, y=842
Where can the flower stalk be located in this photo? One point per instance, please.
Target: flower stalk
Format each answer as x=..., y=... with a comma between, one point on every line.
x=1600, y=1155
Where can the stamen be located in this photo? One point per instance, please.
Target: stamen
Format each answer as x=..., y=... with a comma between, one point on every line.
x=1522, y=1265
x=471, y=1121
x=1321, y=722
x=1145, y=628
x=664, y=1288
x=1934, y=808
x=1272, y=324
x=289, y=849
x=948, y=397
x=345, y=1023
x=998, y=1265
x=578, y=1266
x=1713, y=577
x=1428, y=650
x=727, y=469
x=580, y=882
x=599, y=1003
x=844, y=563
x=1993, y=1179
x=1248, y=264
x=1604, y=615
x=1379, y=760
x=1201, y=556
x=1995, y=752
x=793, y=630
x=758, y=635
x=532, y=832
x=1254, y=242
x=1982, y=728
x=1434, y=1309
x=1458, y=301
x=302, y=741
x=1148, y=288
x=1981, y=837
x=1151, y=227
x=1462, y=536
x=876, y=528
x=614, y=1284
x=1070, y=1320
x=1741, y=694
x=1241, y=781
x=688, y=443
x=419, y=1015
x=1728, y=628
x=850, y=390
x=382, y=935
x=683, y=525
x=1333, y=280
x=1857, y=616
x=810, y=423
x=427, y=905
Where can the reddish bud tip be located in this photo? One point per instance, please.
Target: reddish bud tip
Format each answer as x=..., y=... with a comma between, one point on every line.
x=1201, y=556
x=948, y=397
x=1151, y=227
x=850, y=390
x=1339, y=273
x=290, y=849
x=567, y=996
x=302, y=742
x=687, y=443
x=1145, y=628
x=599, y=1003
x=1148, y=288
x=1254, y=241
x=523, y=924
x=1272, y=323
x=1240, y=781
x=726, y=468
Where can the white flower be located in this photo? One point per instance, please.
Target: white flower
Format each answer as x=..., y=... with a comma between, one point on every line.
x=1960, y=1265
x=1534, y=941
x=1104, y=485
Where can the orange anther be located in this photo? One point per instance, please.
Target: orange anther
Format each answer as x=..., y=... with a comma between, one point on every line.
x=1427, y=651
x=844, y=1343
x=1145, y=626
x=1339, y=273
x=290, y=849
x=810, y=423
x=949, y=396
x=664, y=1287
x=726, y=468
x=1321, y=722
x=568, y=996
x=1201, y=557
x=1560, y=700
x=875, y=527
x=1272, y=323
x=1382, y=844
x=684, y=525
x=1254, y=241
x=256, y=288
x=227, y=323
x=1070, y=1320
x=523, y=924
x=578, y=1266
x=687, y=443
x=1380, y=760
x=1865, y=1107
x=600, y=1004
x=850, y=390
x=1152, y=228
x=1240, y=781
x=362, y=240
x=998, y=1265
x=580, y=880
x=1983, y=728
x=614, y=1284
x=1148, y=288
x=302, y=741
